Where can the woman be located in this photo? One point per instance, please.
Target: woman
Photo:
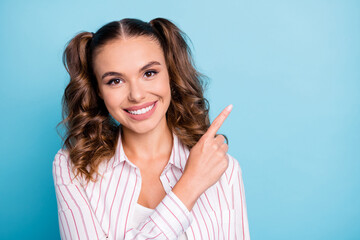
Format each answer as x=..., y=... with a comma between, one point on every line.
x=139, y=179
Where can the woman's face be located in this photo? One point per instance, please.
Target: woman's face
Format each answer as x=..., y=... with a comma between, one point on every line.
x=134, y=82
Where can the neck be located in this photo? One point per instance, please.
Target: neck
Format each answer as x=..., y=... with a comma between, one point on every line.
x=147, y=147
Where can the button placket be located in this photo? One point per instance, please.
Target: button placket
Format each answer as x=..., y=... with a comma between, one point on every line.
x=165, y=181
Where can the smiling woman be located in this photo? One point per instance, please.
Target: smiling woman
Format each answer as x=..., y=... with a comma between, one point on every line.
x=133, y=76
x=163, y=172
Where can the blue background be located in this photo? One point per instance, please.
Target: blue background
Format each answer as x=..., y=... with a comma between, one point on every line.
x=290, y=68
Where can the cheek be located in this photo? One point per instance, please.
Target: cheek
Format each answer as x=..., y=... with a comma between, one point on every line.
x=112, y=99
x=162, y=88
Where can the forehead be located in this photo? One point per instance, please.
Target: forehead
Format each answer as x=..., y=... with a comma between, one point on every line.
x=127, y=54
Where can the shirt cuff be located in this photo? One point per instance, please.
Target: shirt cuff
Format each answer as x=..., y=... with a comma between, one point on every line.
x=171, y=216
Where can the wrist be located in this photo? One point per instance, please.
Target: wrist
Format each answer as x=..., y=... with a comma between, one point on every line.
x=187, y=191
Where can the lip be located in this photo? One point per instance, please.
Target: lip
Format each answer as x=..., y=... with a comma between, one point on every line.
x=144, y=116
x=140, y=106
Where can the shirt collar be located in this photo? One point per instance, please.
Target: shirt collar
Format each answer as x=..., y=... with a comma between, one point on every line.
x=178, y=157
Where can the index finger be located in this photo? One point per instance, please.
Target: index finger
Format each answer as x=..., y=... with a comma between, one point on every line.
x=219, y=120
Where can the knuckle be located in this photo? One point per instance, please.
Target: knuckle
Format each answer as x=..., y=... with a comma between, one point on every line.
x=220, y=137
x=224, y=146
x=205, y=141
x=202, y=141
x=215, y=146
x=224, y=164
x=220, y=154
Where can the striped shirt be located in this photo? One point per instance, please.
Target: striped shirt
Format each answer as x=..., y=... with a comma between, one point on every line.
x=103, y=210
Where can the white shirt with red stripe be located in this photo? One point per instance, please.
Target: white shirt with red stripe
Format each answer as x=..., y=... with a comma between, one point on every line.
x=105, y=209
x=141, y=213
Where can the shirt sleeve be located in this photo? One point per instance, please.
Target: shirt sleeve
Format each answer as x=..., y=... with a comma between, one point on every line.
x=239, y=203
x=170, y=219
x=77, y=220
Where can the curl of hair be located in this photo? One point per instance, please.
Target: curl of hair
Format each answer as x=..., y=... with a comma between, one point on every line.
x=188, y=112
x=91, y=133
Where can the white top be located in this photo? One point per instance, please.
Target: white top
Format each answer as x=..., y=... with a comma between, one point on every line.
x=141, y=213
x=103, y=209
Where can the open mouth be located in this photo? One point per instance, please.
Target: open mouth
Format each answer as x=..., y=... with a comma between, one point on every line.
x=142, y=110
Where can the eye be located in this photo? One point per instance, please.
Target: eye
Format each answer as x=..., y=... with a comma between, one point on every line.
x=150, y=73
x=114, y=81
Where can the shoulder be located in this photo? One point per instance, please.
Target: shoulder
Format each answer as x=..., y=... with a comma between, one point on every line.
x=233, y=169
x=61, y=158
x=61, y=167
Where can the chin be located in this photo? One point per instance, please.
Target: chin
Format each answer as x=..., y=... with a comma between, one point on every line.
x=140, y=129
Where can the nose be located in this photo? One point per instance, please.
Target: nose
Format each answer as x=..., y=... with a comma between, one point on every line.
x=136, y=92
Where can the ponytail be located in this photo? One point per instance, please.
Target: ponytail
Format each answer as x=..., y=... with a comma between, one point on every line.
x=192, y=121
x=91, y=134
x=176, y=50
x=75, y=57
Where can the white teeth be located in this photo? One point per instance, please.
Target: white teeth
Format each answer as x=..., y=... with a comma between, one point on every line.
x=142, y=111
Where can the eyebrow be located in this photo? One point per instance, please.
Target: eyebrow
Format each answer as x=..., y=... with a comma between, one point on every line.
x=120, y=74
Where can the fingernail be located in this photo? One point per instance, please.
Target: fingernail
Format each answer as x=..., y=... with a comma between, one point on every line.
x=228, y=108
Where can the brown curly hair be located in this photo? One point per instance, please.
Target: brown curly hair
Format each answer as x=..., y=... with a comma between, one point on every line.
x=91, y=133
